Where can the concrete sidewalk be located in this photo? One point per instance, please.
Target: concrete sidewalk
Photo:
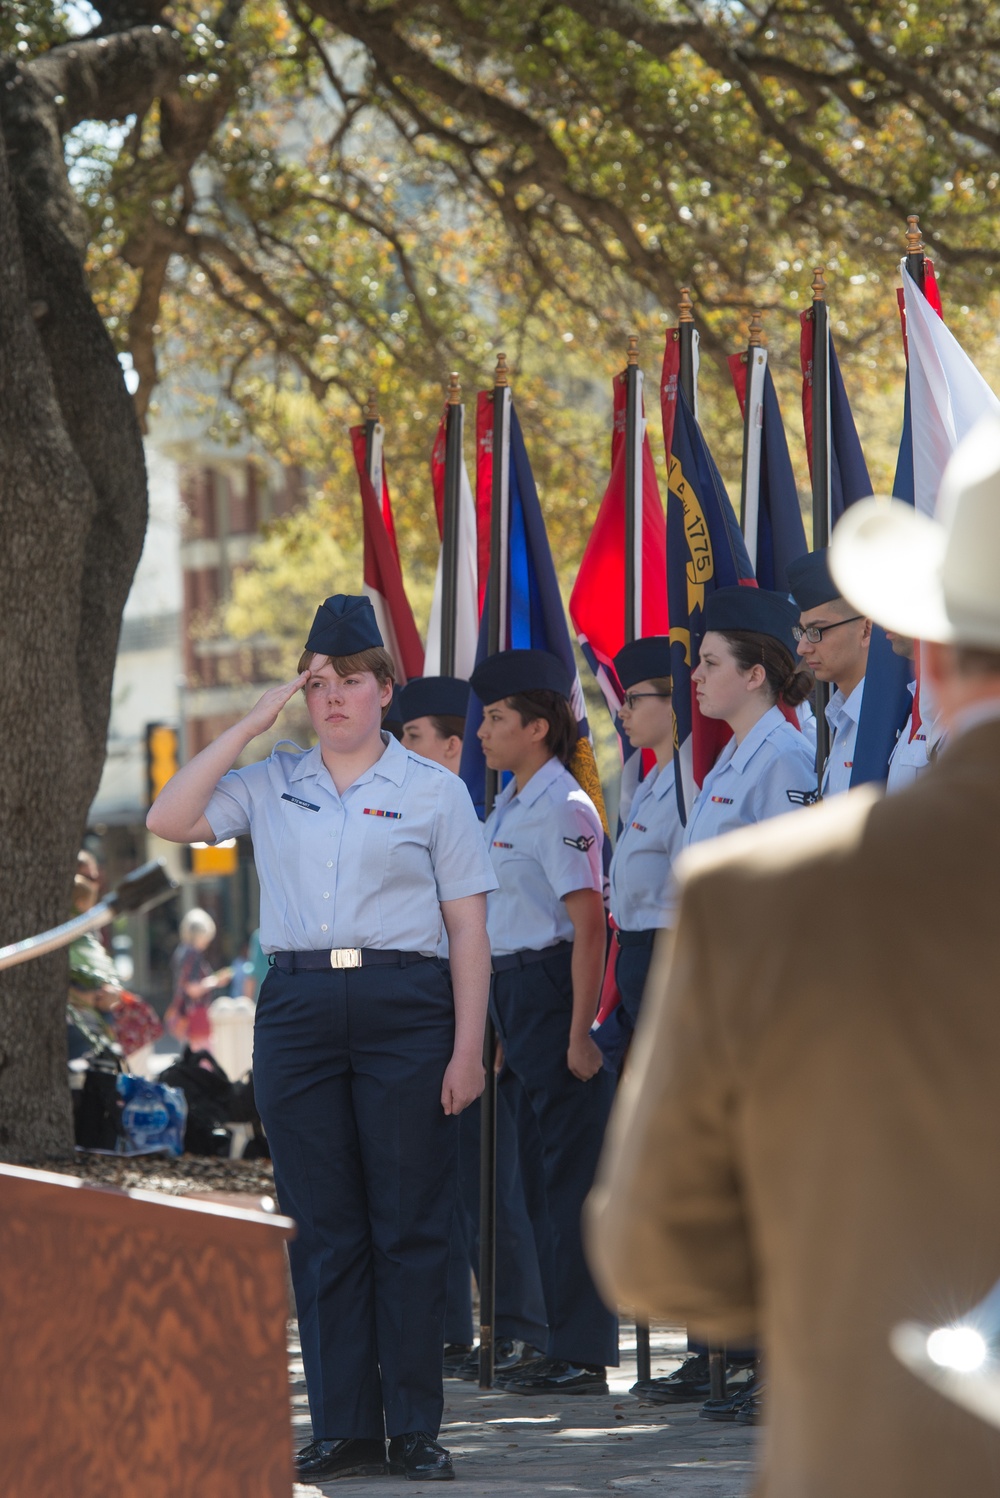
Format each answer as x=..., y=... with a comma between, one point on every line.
x=509, y=1444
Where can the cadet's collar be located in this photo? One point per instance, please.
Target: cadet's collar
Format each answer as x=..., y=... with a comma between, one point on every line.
x=391, y=765
x=540, y=781
x=745, y=752
x=851, y=706
x=664, y=781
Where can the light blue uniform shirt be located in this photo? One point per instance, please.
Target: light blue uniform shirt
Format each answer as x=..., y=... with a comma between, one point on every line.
x=641, y=887
x=842, y=714
x=366, y=869
x=544, y=842
x=910, y=756
x=771, y=772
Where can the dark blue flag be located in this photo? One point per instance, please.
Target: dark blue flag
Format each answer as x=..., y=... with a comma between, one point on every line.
x=705, y=551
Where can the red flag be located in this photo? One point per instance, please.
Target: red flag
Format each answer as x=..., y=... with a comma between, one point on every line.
x=383, y=574
x=484, y=485
x=437, y=470
x=597, y=602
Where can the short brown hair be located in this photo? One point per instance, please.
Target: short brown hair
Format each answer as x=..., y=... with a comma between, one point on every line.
x=447, y=725
x=376, y=659
x=557, y=713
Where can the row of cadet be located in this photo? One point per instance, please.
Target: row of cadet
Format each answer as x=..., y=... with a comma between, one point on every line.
x=365, y=855
x=751, y=676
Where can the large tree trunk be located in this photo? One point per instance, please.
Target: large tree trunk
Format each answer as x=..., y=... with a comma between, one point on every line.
x=72, y=518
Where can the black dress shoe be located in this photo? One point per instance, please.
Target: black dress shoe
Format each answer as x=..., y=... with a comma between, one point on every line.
x=688, y=1384
x=455, y=1353
x=556, y=1376
x=348, y=1457
x=418, y=1455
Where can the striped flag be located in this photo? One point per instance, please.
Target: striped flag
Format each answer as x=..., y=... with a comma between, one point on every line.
x=532, y=616
x=383, y=575
x=772, y=521
x=467, y=589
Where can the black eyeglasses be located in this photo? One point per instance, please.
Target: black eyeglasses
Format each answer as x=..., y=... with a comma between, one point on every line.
x=631, y=698
x=815, y=632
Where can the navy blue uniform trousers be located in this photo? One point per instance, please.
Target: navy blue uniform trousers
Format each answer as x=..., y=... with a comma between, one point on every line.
x=631, y=968
x=561, y=1123
x=520, y=1301
x=348, y=1067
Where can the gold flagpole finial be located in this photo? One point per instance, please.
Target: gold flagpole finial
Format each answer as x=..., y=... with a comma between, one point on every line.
x=454, y=390
x=819, y=284
x=756, y=335
x=371, y=409
x=685, y=306
x=633, y=350
x=914, y=238
x=501, y=375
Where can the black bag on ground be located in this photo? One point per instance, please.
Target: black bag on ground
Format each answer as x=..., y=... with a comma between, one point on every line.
x=210, y=1101
x=97, y=1107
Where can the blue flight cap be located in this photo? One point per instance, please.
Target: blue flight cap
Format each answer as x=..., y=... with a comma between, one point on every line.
x=756, y=609
x=809, y=580
x=643, y=660
x=434, y=697
x=344, y=625
x=514, y=671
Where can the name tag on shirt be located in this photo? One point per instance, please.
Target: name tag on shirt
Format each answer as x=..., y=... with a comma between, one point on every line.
x=306, y=805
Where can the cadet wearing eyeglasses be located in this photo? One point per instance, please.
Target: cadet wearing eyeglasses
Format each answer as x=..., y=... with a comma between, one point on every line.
x=833, y=642
x=651, y=835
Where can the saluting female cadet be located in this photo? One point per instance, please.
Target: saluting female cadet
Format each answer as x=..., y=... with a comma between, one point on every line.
x=651, y=836
x=548, y=934
x=364, y=1052
x=747, y=662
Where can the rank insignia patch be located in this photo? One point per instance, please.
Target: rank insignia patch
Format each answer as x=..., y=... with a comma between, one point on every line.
x=802, y=798
x=581, y=843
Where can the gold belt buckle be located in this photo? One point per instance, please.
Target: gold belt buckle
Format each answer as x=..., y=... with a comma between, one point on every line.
x=345, y=957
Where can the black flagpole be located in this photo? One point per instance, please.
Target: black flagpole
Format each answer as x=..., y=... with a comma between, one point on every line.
x=685, y=332
x=821, y=480
x=449, y=528
x=495, y=641
x=754, y=341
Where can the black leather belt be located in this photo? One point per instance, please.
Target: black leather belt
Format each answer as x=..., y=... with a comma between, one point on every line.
x=338, y=958
x=508, y=960
x=635, y=938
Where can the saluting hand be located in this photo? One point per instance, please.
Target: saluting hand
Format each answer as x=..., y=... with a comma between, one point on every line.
x=264, y=712
x=464, y=1081
x=584, y=1057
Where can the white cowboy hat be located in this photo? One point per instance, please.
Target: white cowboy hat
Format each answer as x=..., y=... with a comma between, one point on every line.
x=931, y=579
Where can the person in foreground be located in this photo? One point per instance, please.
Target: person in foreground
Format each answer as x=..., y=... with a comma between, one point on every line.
x=364, y=1052
x=805, y=1151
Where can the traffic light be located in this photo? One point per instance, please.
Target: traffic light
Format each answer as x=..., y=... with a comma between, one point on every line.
x=161, y=757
